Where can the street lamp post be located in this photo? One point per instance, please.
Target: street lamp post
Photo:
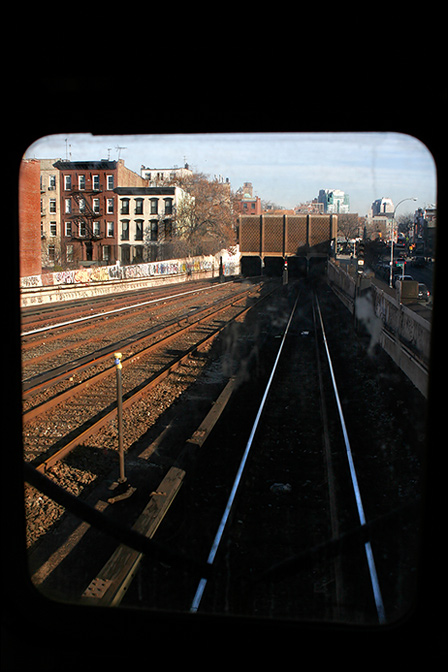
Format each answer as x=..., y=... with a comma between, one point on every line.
x=392, y=238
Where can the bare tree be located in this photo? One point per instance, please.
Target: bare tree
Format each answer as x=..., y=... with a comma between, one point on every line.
x=204, y=220
x=405, y=222
x=348, y=226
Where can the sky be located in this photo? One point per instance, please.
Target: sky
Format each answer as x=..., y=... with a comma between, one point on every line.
x=285, y=168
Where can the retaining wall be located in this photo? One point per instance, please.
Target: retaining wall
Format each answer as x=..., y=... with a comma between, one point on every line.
x=405, y=335
x=86, y=282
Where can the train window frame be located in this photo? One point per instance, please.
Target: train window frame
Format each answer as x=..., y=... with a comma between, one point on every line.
x=436, y=253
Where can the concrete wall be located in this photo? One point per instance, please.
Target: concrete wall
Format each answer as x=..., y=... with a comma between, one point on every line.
x=94, y=281
x=402, y=333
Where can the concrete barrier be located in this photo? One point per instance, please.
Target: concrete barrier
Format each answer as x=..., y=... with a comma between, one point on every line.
x=82, y=283
x=405, y=334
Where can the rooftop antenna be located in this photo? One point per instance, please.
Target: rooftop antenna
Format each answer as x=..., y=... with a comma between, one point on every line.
x=118, y=148
x=108, y=153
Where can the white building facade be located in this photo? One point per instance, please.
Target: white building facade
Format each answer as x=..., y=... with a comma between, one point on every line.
x=163, y=176
x=50, y=213
x=147, y=221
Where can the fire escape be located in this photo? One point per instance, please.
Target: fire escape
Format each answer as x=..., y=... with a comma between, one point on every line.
x=83, y=218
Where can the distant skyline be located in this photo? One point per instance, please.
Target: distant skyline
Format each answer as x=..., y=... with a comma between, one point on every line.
x=285, y=168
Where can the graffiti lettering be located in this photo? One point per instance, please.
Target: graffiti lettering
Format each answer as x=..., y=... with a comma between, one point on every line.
x=116, y=272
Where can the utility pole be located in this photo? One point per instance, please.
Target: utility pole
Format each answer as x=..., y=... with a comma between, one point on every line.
x=392, y=238
x=124, y=490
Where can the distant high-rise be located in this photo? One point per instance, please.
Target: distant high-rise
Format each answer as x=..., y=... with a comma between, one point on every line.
x=334, y=200
x=382, y=206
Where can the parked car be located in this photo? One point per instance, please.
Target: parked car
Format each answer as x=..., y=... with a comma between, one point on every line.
x=423, y=291
x=398, y=276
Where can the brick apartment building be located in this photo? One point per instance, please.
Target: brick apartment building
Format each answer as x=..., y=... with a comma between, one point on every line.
x=29, y=218
x=88, y=209
x=246, y=203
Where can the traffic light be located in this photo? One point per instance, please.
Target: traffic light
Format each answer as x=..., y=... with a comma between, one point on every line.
x=360, y=254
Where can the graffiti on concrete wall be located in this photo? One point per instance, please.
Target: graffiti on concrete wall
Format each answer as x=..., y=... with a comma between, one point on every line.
x=116, y=272
x=31, y=281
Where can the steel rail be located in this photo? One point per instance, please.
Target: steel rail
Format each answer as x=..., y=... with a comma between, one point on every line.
x=116, y=310
x=141, y=390
x=42, y=380
x=217, y=540
x=362, y=519
x=329, y=469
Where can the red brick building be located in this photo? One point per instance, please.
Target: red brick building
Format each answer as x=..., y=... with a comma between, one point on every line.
x=29, y=218
x=88, y=206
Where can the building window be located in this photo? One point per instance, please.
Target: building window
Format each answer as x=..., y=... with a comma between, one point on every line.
x=96, y=229
x=154, y=206
x=96, y=205
x=125, y=229
x=125, y=254
x=168, y=206
x=69, y=253
x=82, y=204
x=67, y=182
x=68, y=229
x=52, y=183
x=125, y=206
x=110, y=182
x=82, y=229
x=110, y=206
x=51, y=252
x=53, y=229
x=138, y=229
x=53, y=205
x=110, y=229
x=96, y=182
x=81, y=182
x=68, y=206
x=168, y=228
x=106, y=252
x=139, y=206
x=154, y=230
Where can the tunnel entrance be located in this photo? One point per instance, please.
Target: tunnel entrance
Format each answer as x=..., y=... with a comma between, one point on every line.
x=250, y=266
x=273, y=266
x=297, y=267
x=317, y=266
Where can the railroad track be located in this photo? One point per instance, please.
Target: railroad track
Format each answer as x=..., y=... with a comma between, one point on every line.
x=49, y=317
x=90, y=405
x=288, y=527
x=278, y=520
x=107, y=589
x=322, y=446
x=136, y=342
x=61, y=473
x=81, y=333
